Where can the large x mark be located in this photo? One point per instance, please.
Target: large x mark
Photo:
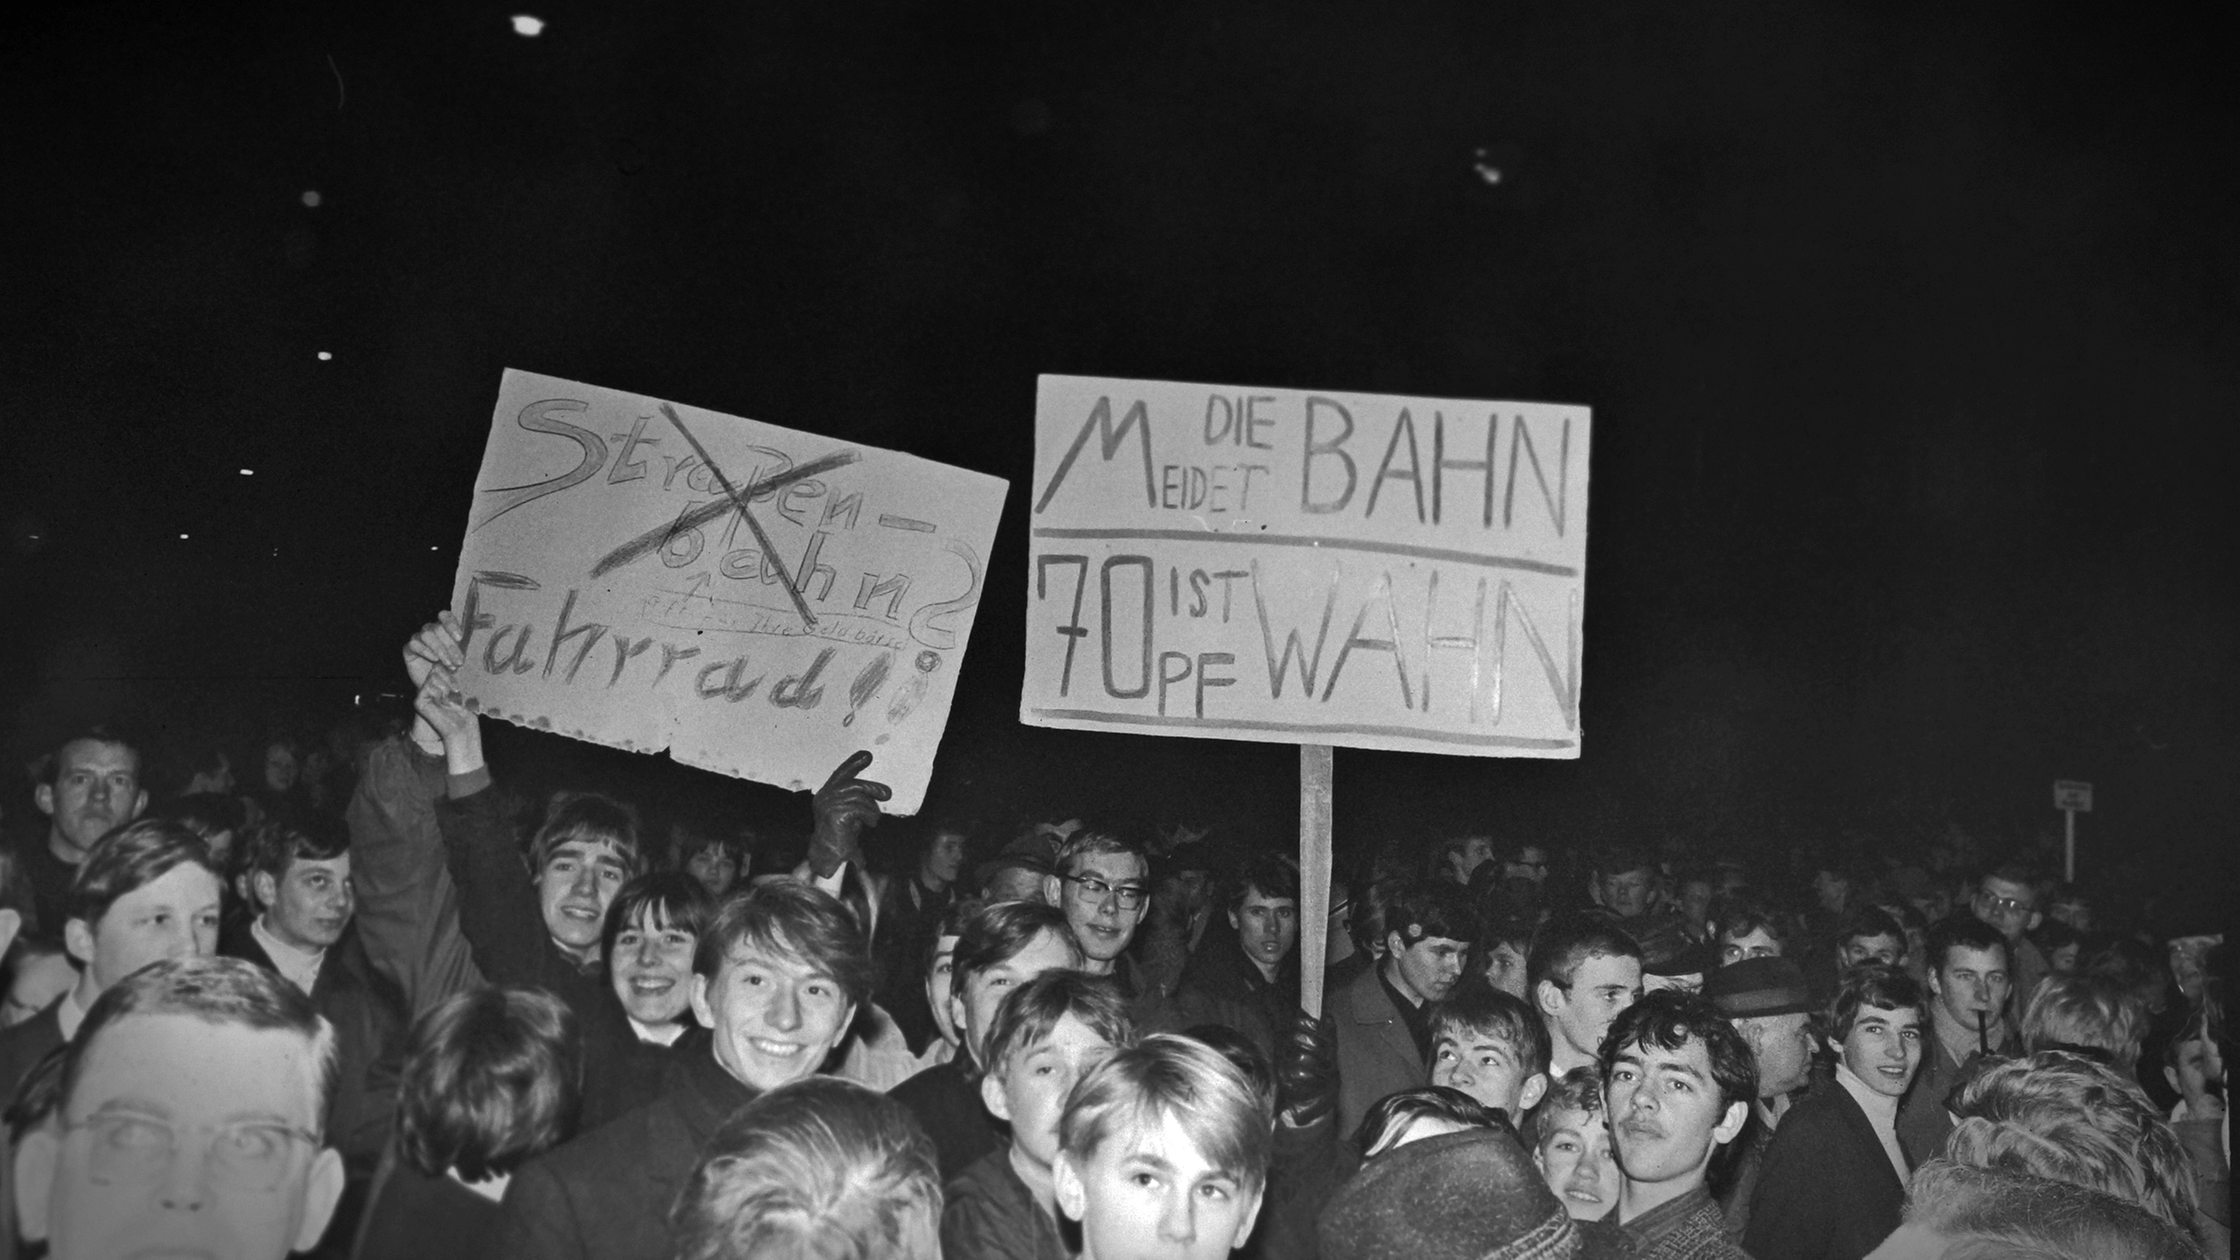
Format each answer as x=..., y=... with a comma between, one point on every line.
x=736, y=498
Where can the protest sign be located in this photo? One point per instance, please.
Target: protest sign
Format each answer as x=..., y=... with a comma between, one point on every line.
x=759, y=601
x=1307, y=567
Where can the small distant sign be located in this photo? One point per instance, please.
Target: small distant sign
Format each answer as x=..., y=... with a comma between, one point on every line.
x=2070, y=795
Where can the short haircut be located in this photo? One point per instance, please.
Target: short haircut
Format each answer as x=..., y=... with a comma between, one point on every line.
x=1579, y=1089
x=1431, y=908
x=491, y=1078
x=1623, y=859
x=215, y=990
x=130, y=858
x=2014, y=873
x=1028, y=1013
x=1166, y=1077
x=204, y=813
x=1095, y=840
x=1370, y=906
x=1478, y=1007
x=1668, y=1020
x=1738, y=917
x=1275, y=876
x=1240, y=1051
x=280, y=840
x=2071, y=1120
x=1962, y=931
x=1989, y=1214
x=1861, y=923
x=821, y=1168
x=2089, y=1013
x=996, y=933
x=588, y=816
x=1394, y=1114
x=668, y=899
x=793, y=919
x=1565, y=942
x=686, y=841
x=1871, y=984
x=51, y=773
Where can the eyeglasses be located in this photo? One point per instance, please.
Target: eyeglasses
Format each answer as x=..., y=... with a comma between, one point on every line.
x=1094, y=890
x=130, y=1149
x=1342, y=908
x=1990, y=903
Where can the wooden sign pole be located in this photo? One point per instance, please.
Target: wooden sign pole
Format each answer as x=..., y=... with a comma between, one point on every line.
x=1314, y=872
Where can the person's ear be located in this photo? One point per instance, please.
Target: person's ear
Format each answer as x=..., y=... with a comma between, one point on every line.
x=36, y=1157
x=264, y=890
x=700, y=1009
x=1394, y=946
x=2170, y=1074
x=1072, y=1195
x=1236, y=921
x=2035, y=920
x=11, y=922
x=1548, y=995
x=1251, y=1216
x=1535, y=1089
x=77, y=940
x=1738, y=1113
x=320, y=1194
x=43, y=796
x=992, y=1097
x=1051, y=889
x=140, y=806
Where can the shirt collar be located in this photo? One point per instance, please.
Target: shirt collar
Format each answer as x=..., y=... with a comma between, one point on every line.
x=1648, y=1229
x=299, y=967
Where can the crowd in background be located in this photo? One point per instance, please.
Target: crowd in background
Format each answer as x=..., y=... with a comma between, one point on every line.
x=354, y=995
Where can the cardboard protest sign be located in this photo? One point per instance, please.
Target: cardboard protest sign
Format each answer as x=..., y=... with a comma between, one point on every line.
x=1311, y=568
x=759, y=601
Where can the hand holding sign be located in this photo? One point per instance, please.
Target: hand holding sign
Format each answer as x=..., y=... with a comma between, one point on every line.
x=844, y=806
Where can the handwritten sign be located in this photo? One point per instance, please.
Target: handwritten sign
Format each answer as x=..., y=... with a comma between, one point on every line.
x=1280, y=565
x=759, y=601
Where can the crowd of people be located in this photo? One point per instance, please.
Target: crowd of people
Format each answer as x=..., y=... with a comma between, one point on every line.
x=406, y=1013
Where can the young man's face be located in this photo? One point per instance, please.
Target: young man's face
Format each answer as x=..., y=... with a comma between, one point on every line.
x=184, y=1138
x=280, y=768
x=715, y=868
x=1696, y=897
x=1601, y=989
x=1428, y=969
x=776, y=1016
x=1972, y=983
x=96, y=788
x=1530, y=863
x=310, y=904
x=1755, y=943
x=1030, y=1092
x=575, y=886
x=1883, y=1048
x=1626, y=894
x=1150, y=1195
x=1885, y=949
x=1486, y=1067
x=1782, y=1047
x=1095, y=896
x=1665, y=1114
x=1505, y=968
x=651, y=969
x=2199, y=1070
x=938, y=977
x=1832, y=890
x=1267, y=927
x=1464, y=859
x=2006, y=905
x=172, y=916
x=1575, y=1159
x=944, y=858
x=974, y=1000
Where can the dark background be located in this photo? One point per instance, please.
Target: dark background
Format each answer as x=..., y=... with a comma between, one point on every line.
x=1909, y=331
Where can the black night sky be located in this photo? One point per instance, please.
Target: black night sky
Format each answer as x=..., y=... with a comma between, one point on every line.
x=1909, y=330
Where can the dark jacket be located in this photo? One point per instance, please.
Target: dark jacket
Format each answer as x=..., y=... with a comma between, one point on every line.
x=413, y=1216
x=946, y=1103
x=1377, y=1055
x=606, y=1195
x=369, y=1025
x=1222, y=985
x=1923, y=1122
x=992, y=1215
x=1826, y=1190
x=22, y=1046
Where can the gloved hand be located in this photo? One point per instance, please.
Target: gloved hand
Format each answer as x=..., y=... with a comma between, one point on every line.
x=1307, y=1071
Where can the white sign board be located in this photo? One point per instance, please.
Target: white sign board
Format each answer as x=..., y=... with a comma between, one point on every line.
x=1308, y=568
x=613, y=587
x=2073, y=796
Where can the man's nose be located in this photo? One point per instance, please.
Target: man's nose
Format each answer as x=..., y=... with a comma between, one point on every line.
x=185, y=1182
x=784, y=1012
x=586, y=879
x=1178, y=1217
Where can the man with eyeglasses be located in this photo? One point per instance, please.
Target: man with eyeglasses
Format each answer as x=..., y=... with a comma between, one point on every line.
x=2007, y=899
x=1103, y=885
x=184, y=1120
